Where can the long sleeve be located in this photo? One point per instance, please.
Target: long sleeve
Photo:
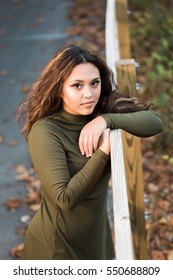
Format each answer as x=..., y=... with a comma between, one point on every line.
x=143, y=123
x=50, y=162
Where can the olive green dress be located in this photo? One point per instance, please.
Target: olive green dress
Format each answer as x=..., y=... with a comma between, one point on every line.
x=72, y=222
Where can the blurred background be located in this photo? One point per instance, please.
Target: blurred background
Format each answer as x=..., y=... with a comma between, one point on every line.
x=30, y=32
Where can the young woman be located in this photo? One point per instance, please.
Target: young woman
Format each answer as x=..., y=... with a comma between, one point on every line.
x=68, y=115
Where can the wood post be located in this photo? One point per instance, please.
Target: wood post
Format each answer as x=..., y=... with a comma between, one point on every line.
x=122, y=228
x=123, y=28
x=126, y=79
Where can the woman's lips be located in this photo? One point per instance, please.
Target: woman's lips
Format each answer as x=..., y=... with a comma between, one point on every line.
x=88, y=104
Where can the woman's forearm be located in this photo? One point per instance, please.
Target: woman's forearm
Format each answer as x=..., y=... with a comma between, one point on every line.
x=142, y=124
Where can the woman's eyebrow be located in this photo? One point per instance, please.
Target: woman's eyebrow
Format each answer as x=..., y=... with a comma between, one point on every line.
x=77, y=80
x=98, y=78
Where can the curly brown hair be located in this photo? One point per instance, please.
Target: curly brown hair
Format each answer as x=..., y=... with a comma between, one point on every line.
x=45, y=96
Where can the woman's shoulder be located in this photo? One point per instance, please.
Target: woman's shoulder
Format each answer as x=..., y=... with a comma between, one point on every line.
x=45, y=122
x=42, y=126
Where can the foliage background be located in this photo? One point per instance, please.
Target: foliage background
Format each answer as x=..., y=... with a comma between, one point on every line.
x=151, y=26
x=152, y=44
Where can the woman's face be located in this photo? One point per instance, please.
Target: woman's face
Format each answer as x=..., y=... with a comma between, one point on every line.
x=81, y=90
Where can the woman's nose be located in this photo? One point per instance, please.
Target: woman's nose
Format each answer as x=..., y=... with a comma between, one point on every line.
x=87, y=92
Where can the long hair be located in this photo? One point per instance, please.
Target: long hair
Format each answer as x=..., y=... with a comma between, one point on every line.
x=45, y=96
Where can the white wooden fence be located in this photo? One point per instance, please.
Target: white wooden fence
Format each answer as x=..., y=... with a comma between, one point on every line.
x=122, y=227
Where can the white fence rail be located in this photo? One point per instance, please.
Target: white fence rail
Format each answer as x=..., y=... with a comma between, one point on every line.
x=122, y=227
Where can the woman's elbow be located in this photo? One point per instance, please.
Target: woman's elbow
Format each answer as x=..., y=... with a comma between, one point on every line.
x=67, y=207
x=160, y=127
x=66, y=204
x=156, y=128
x=154, y=123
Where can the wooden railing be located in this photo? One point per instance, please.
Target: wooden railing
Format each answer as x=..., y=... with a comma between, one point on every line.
x=126, y=164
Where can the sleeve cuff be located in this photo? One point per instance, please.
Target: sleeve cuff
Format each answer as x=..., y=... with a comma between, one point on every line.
x=107, y=120
x=103, y=155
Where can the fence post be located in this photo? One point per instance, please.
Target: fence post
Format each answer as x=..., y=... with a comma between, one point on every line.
x=126, y=79
x=121, y=13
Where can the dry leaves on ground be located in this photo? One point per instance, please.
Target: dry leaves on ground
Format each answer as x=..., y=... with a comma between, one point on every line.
x=33, y=196
x=32, y=199
x=158, y=178
x=88, y=24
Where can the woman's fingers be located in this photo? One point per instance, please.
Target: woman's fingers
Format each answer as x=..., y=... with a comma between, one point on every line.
x=90, y=147
x=88, y=144
x=95, y=142
x=90, y=134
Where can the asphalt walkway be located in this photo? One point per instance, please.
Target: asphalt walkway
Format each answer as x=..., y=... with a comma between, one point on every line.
x=30, y=32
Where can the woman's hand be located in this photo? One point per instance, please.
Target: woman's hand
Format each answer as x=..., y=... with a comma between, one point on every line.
x=90, y=135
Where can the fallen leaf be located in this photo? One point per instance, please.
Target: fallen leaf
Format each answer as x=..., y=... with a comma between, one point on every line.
x=33, y=182
x=22, y=177
x=170, y=221
x=3, y=31
x=3, y=73
x=1, y=139
x=41, y=19
x=21, y=231
x=12, y=17
x=35, y=207
x=17, y=250
x=164, y=204
x=20, y=168
x=152, y=187
x=33, y=25
x=13, y=143
x=25, y=88
x=18, y=4
x=170, y=255
x=157, y=255
x=36, y=69
x=168, y=236
x=22, y=172
x=13, y=203
x=32, y=197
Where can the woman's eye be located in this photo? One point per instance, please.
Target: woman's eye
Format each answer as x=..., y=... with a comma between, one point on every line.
x=95, y=83
x=77, y=85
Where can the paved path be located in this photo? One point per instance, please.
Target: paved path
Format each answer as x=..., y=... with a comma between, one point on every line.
x=30, y=32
